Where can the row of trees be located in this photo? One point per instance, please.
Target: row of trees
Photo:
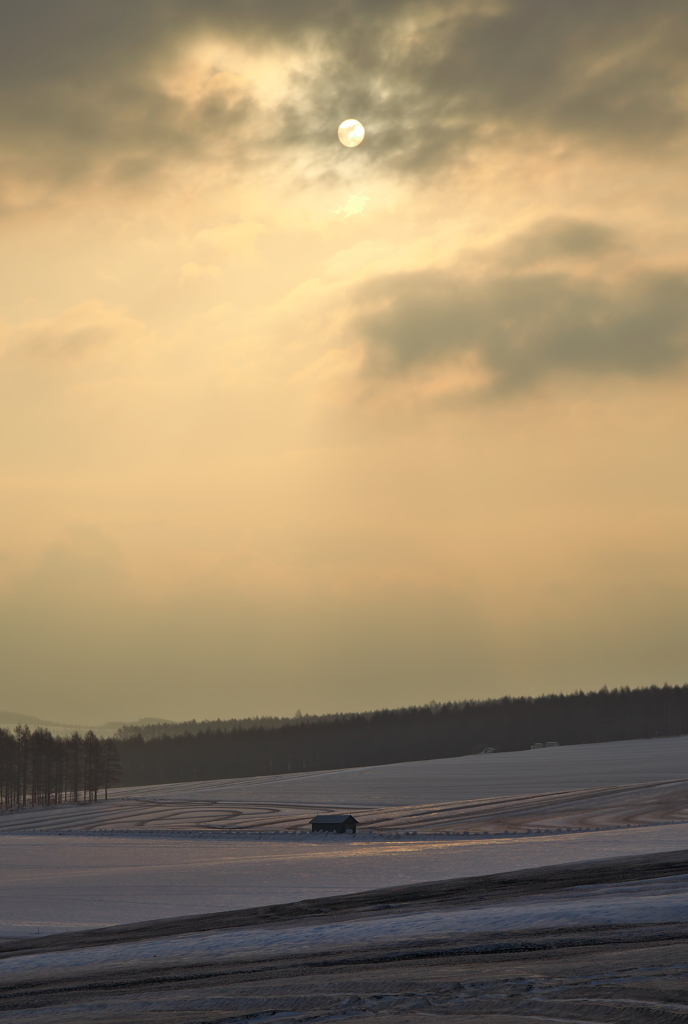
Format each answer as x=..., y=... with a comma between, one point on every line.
x=154, y=730
x=38, y=769
x=405, y=734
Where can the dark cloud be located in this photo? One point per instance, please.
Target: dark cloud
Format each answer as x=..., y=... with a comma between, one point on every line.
x=561, y=238
x=80, y=93
x=432, y=79
x=524, y=326
x=606, y=70
x=80, y=84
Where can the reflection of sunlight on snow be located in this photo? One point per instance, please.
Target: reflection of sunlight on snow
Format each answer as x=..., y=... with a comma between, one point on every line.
x=62, y=881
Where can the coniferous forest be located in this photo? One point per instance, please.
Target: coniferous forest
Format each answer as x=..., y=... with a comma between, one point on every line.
x=405, y=734
x=37, y=768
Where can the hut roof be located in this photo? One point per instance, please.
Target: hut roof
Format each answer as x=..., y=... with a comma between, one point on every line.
x=332, y=819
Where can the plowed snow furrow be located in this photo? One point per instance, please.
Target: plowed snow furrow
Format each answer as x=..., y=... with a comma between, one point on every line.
x=603, y=807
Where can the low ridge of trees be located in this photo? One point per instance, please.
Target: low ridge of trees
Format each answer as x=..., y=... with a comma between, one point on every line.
x=155, y=730
x=405, y=734
x=38, y=769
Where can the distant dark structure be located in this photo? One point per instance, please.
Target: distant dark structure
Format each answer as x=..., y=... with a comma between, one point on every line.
x=334, y=823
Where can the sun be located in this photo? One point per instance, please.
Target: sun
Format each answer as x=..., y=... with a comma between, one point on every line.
x=351, y=133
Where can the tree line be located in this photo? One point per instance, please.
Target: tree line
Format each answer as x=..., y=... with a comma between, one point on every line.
x=404, y=734
x=155, y=730
x=38, y=769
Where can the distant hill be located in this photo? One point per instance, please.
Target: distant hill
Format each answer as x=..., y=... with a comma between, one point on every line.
x=8, y=720
x=16, y=718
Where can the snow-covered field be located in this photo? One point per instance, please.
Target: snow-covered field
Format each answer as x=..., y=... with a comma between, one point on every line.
x=648, y=902
x=56, y=882
x=169, y=851
x=623, y=783
x=456, y=778
x=134, y=870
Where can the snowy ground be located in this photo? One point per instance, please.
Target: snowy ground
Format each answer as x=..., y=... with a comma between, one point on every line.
x=53, y=882
x=556, y=944
x=624, y=783
x=603, y=807
x=168, y=851
x=133, y=870
x=648, y=902
x=456, y=778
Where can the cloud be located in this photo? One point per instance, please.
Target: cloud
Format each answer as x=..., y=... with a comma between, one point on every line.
x=84, y=95
x=521, y=325
x=89, y=329
x=85, y=86
x=561, y=238
x=434, y=81
x=606, y=71
x=81, y=566
x=354, y=205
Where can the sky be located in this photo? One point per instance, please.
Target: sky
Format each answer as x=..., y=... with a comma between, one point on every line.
x=287, y=425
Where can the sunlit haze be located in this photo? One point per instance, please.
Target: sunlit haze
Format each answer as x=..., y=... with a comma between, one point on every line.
x=292, y=424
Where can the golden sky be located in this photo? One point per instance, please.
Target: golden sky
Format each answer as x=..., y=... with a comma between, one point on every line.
x=289, y=425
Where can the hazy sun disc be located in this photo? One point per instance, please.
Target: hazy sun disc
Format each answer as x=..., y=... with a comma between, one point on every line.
x=351, y=133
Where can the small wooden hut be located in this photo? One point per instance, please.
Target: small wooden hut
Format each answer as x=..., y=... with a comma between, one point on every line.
x=334, y=823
